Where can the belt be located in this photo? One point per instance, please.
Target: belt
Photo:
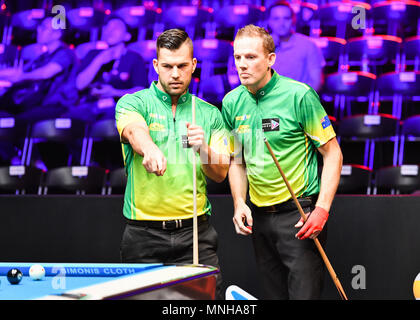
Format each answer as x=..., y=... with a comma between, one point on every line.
x=166, y=224
x=286, y=206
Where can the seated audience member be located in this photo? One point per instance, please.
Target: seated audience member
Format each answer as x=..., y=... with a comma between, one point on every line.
x=44, y=88
x=106, y=75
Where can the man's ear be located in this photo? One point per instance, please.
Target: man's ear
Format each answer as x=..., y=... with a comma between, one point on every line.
x=194, y=64
x=155, y=66
x=271, y=59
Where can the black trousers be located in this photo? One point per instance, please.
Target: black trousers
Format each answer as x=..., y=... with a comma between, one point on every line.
x=151, y=245
x=290, y=268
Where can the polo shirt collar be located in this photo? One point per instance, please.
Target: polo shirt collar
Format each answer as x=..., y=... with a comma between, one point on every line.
x=166, y=98
x=268, y=87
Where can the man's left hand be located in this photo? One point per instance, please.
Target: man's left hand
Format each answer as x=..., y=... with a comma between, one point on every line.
x=313, y=225
x=195, y=135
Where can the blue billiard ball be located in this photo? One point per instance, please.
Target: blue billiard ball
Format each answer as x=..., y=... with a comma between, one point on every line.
x=14, y=276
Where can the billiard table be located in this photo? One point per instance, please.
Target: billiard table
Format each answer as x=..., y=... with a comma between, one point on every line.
x=96, y=281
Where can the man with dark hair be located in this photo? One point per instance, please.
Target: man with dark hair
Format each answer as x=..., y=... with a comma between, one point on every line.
x=108, y=74
x=297, y=56
x=43, y=88
x=172, y=41
x=157, y=129
x=290, y=116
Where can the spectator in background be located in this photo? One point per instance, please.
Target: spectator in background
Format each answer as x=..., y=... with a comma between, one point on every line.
x=298, y=57
x=43, y=88
x=105, y=75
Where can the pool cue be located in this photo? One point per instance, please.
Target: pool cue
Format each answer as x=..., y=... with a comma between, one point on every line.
x=195, y=226
x=317, y=243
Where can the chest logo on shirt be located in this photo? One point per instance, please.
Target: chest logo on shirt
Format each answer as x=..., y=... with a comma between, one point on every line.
x=272, y=124
x=155, y=126
x=156, y=116
x=242, y=128
x=244, y=117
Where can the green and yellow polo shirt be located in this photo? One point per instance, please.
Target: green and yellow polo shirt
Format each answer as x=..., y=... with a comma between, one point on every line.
x=147, y=196
x=289, y=114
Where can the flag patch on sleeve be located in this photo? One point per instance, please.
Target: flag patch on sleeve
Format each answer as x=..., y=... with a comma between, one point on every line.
x=325, y=122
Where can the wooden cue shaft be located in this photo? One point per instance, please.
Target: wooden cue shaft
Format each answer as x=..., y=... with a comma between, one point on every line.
x=195, y=225
x=317, y=243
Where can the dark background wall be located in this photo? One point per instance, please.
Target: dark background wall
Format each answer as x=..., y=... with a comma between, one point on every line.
x=378, y=233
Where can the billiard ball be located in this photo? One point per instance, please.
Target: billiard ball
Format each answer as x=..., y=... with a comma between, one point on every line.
x=14, y=276
x=37, y=272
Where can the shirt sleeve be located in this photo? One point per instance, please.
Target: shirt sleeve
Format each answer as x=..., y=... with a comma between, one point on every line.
x=219, y=137
x=129, y=109
x=226, y=115
x=234, y=145
x=314, y=120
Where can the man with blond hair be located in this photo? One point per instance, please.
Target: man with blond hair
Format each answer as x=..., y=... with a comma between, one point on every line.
x=290, y=116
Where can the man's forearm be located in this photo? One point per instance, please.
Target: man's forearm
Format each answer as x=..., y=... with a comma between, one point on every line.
x=138, y=137
x=330, y=178
x=46, y=72
x=85, y=77
x=238, y=182
x=34, y=75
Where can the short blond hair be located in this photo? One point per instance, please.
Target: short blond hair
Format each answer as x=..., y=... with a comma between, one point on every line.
x=251, y=30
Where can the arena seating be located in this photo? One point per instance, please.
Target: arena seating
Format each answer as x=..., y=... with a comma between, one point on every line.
x=75, y=179
x=371, y=85
x=20, y=180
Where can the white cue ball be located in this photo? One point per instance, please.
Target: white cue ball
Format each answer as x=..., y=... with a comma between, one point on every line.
x=37, y=272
